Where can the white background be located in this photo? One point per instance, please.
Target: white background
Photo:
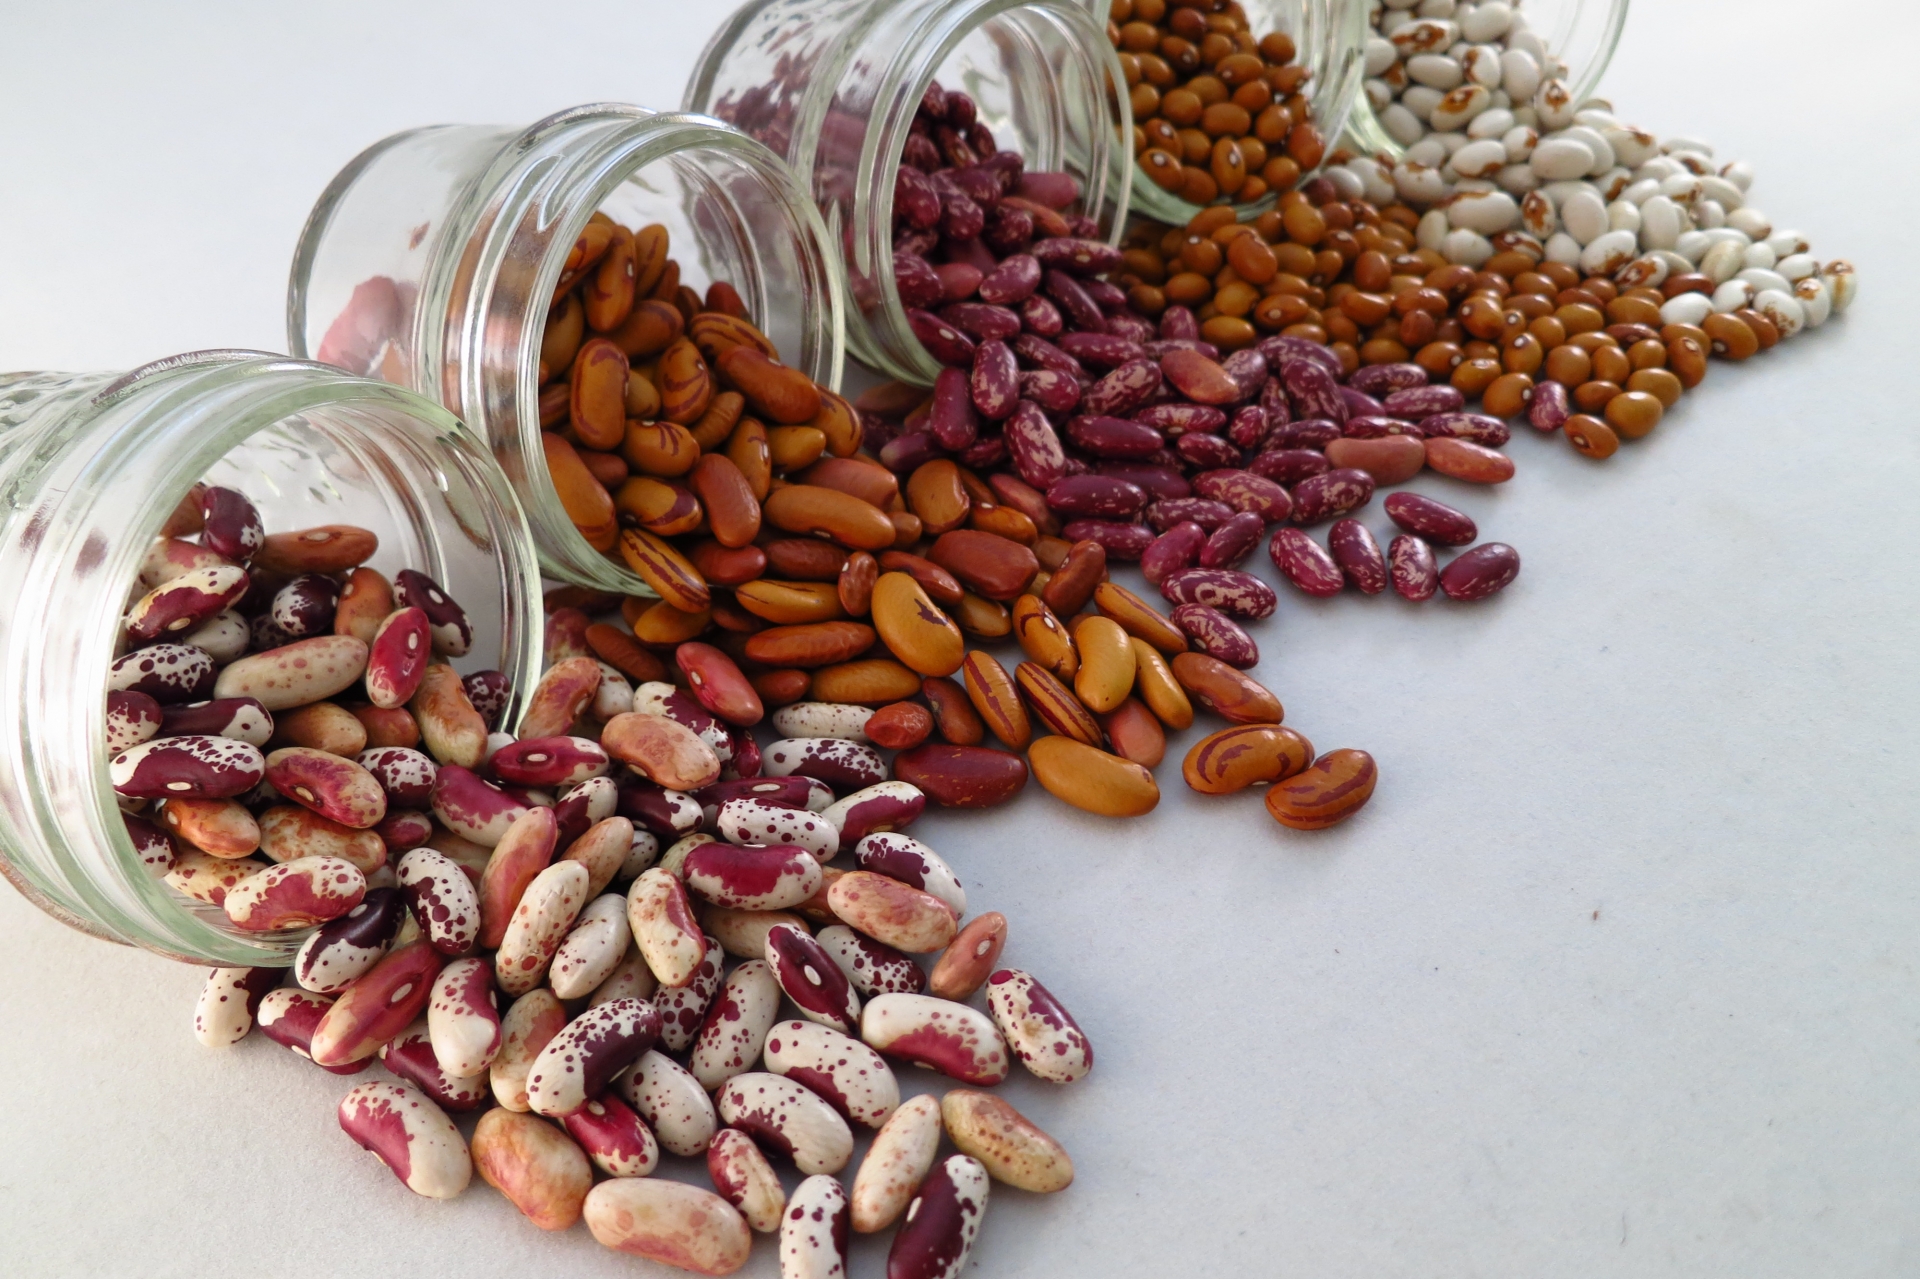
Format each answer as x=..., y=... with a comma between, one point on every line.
x=1616, y=974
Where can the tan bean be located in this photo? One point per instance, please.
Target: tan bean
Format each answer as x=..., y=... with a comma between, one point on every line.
x=1107, y=663
x=1091, y=779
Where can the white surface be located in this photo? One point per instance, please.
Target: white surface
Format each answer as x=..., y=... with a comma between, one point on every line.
x=1614, y=977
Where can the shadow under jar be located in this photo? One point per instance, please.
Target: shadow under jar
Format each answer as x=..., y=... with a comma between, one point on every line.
x=432, y=261
x=1196, y=88
x=92, y=466
x=834, y=86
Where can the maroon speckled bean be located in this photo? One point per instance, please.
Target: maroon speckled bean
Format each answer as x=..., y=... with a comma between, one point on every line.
x=1103, y=350
x=1485, y=570
x=1172, y=552
x=305, y=606
x=1251, y=426
x=1361, y=405
x=1216, y=635
x=1435, y=521
x=1358, y=555
x=1245, y=491
x=404, y=773
x=1476, y=428
x=1121, y=541
x=1180, y=419
x=1232, y=592
x=1041, y=318
x=1384, y=379
x=1014, y=280
x=1097, y=495
x=1307, y=433
x=1123, y=390
x=982, y=322
x=1051, y=389
x=1204, y=511
x=1081, y=257
x=1375, y=427
x=1179, y=322
x=1207, y=450
x=1074, y=301
x=1322, y=497
x=1114, y=437
x=1411, y=564
x=452, y=631
x=1290, y=466
x=1312, y=390
x=1305, y=562
x=231, y=526
x=342, y=949
x=1423, y=401
x=237, y=717
x=150, y=844
x=811, y=979
x=1248, y=369
x=915, y=197
x=1162, y=483
x=1155, y=350
x=1279, y=350
x=943, y=342
x=951, y=416
x=906, y=453
x=1033, y=447
x=1549, y=409
x=995, y=384
x=1041, y=353
x=919, y=287
x=1233, y=540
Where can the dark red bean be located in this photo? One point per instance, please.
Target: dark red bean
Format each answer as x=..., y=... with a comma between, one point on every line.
x=1359, y=405
x=1080, y=257
x=1290, y=466
x=1074, y=302
x=1204, y=511
x=959, y=280
x=1308, y=433
x=915, y=199
x=1101, y=349
x=1163, y=483
x=943, y=342
x=918, y=285
x=1172, y=552
x=1322, y=497
x=1411, y=565
x=995, y=384
x=950, y=415
x=1312, y=390
x=1180, y=419
x=1123, y=390
x=1358, y=555
x=1207, y=450
x=1435, y=521
x=1033, y=446
x=1113, y=437
x=1251, y=427
x=1233, y=541
x=1179, y=322
x=1041, y=317
x=1051, y=389
x=1485, y=570
x=1014, y=280
x=1248, y=369
x=1096, y=495
x=1374, y=428
x=1305, y=563
x=1121, y=541
x=981, y=322
x=1038, y=351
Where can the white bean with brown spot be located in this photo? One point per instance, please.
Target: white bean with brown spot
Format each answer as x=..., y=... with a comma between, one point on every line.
x=743, y=1177
x=593, y=949
x=898, y=1161
x=736, y=1027
x=813, y=1231
x=790, y=1117
x=463, y=1019
x=539, y=924
x=672, y=1102
x=852, y=1077
x=410, y=1135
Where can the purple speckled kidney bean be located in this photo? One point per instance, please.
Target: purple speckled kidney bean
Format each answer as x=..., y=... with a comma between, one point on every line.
x=1385, y=379
x=1014, y=280
x=1305, y=563
x=996, y=380
x=1123, y=390
x=943, y=342
x=489, y=692
x=1179, y=322
x=1411, y=565
x=984, y=453
x=1207, y=450
x=961, y=217
x=1290, y=466
x=1273, y=398
x=1174, y=551
x=1358, y=555
x=1051, y=389
x=1123, y=323
x=958, y=280
x=1361, y=405
x=1422, y=401
x=1033, y=446
x=1204, y=511
x=1248, y=369
x=1232, y=592
x=1113, y=437
x=1073, y=300
x=950, y=414
x=909, y=451
x=1251, y=426
x=1102, y=350
x=452, y=631
x=1233, y=541
x=982, y=322
x=1435, y=521
x=1279, y=350
x=1306, y=433
x=1155, y=350
x=1080, y=257
x=230, y=525
x=1478, y=428
x=1121, y=541
x=1041, y=353
x=1112, y=299
x=1216, y=635
x=1041, y=317
x=1096, y=495
x=1322, y=497
x=1549, y=408
x=1181, y=419
x=980, y=184
x=1485, y=570
x=1245, y=491
x=915, y=198
x=1009, y=230
x=1054, y=190
x=1162, y=483
x=1313, y=392
x=1375, y=427
x=914, y=277
x=908, y=243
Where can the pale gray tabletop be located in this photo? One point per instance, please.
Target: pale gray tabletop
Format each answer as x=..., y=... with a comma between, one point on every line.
x=1616, y=974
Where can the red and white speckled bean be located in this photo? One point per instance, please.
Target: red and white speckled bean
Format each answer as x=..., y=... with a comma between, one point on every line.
x=410, y=1135
x=403, y=830
x=852, y=1077
x=674, y=860
x=753, y=821
x=669, y=1222
x=410, y=1055
x=343, y=949
x=539, y=924
x=236, y=717
x=803, y=793
x=958, y=1041
x=168, y=673
x=790, y=1118
x=308, y=670
x=191, y=767
x=549, y=761
x=742, y=877
x=888, y=806
x=443, y=900
x=591, y=951
x=224, y=1012
x=906, y=859
x=614, y=1137
x=183, y=602
x=150, y=844
x=813, y=1231
x=405, y=774
x=295, y=894
x=132, y=718
x=736, y=1025
x=230, y=523
x=288, y=832
x=379, y=1005
x=630, y=979
x=941, y=1223
x=581, y=1061
x=224, y=637
x=666, y=814
x=810, y=978
x=533, y=1020
x=207, y=878
x=171, y=557
x=288, y=1016
x=823, y=719
x=664, y=928
x=452, y=632
x=473, y=808
x=535, y=1165
x=672, y=1102
x=896, y=1164
x=743, y=1177
x=1229, y=590
x=842, y=764
x=743, y=933
x=874, y=968
x=397, y=658
x=330, y=785
x=683, y=1009
x=1038, y=1028
x=463, y=1018
x=892, y=912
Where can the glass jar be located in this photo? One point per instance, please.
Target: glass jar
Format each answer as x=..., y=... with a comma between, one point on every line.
x=91, y=466
x=1330, y=40
x=431, y=259
x=1579, y=34
x=833, y=85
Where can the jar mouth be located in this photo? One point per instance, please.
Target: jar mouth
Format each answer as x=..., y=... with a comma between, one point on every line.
x=734, y=213
x=310, y=445
x=1331, y=38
